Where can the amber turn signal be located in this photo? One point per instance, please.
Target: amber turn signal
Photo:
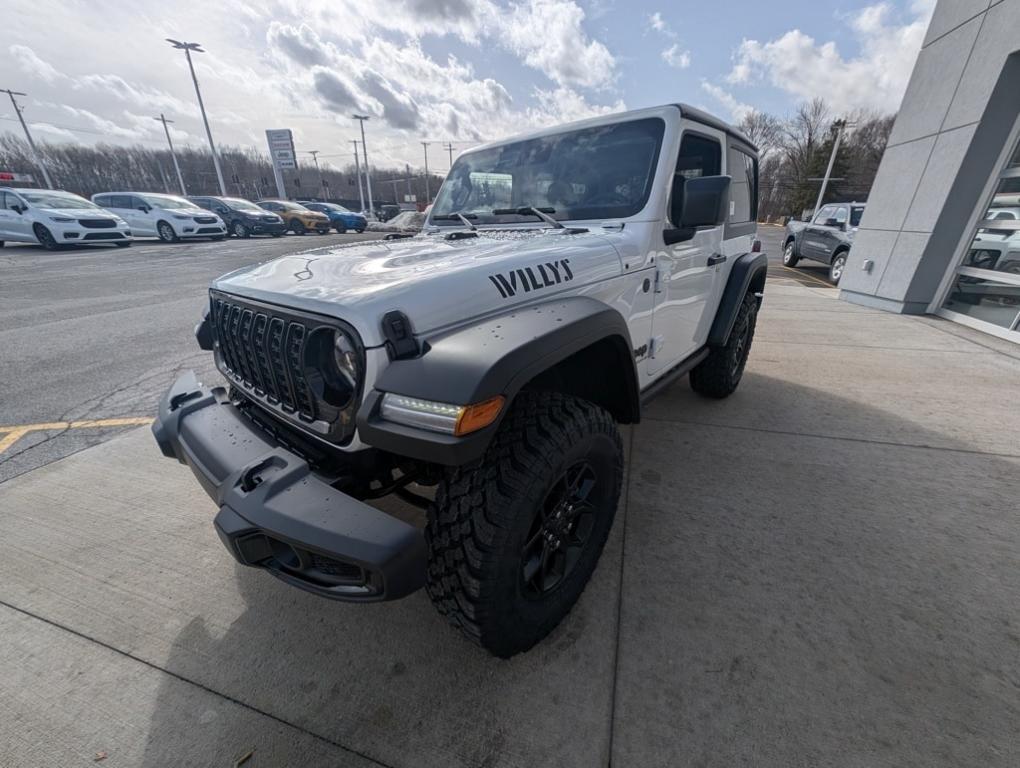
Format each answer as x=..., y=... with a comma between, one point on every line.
x=479, y=415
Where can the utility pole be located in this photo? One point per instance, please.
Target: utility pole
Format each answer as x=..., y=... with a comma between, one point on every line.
x=425, y=145
x=357, y=172
x=197, y=48
x=31, y=144
x=840, y=127
x=173, y=154
x=315, y=158
x=364, y=151
x=407, y=173
x=449, y=148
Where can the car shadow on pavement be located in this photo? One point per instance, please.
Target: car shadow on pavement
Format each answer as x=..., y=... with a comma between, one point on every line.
x=787, y=599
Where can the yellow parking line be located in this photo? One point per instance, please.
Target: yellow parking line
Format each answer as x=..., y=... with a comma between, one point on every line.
x=808, y=276
x=14, y=433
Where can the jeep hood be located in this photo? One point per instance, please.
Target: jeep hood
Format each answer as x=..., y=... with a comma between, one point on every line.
x=437, y=282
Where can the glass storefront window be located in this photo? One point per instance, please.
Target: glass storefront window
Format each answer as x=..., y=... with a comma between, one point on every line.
x=986, y=286
x=985, y=300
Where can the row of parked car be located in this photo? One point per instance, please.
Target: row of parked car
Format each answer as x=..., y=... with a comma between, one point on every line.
x=54, y=218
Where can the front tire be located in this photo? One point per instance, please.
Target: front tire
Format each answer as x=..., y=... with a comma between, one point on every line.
x=514, y=537
x=45, y=238
x=790, y=257
x=297, y=227
x=837, y=267
x=240, y=230
x=341, y=229
x=166, y=232
x=719, y=374
x=123, y=244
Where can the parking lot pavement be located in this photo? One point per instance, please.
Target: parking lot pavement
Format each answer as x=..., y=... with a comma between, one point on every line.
x=820, y=570
x=93, y=333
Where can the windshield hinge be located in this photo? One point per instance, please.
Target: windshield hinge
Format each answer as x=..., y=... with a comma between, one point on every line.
x=613, y=226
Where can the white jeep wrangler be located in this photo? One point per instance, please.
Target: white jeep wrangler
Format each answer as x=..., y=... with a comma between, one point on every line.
x=562, y=279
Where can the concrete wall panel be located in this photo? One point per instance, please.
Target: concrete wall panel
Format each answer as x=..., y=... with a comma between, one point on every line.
x=949, y=14
x=943, y=166
x=895, y=184
x=902, y=264
x=873, y=244
x=930, y=91
x=999, y=37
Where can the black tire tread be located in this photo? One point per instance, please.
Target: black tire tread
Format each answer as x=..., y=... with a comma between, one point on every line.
x=472, y=518
x=713, y=377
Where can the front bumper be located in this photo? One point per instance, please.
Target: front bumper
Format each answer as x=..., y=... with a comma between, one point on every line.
x=266, y=227
x=276, y=514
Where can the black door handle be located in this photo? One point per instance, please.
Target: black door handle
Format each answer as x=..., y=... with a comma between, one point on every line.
x=717, y=259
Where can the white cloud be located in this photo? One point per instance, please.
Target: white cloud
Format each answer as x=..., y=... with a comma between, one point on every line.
x=677, y=58
x=737, y=109
x=659, y=24
x=804, y=68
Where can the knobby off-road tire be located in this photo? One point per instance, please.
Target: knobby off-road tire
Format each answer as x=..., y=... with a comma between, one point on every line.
x=514, y=537
x=719, y=374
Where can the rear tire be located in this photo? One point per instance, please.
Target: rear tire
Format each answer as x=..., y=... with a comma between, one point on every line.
x=166, y=232
x=45, y=237
x=297, y=227
x=360, y=231
x=790, y=257
x=719, y=374
x=837, y=267
x=514, y=537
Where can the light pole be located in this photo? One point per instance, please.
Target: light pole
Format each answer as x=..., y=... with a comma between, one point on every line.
x=173, y=154
x=449, y=148
x=425, y=144
x=197, y=48
x=357, y=172
x=31, y=144
x=364, y=151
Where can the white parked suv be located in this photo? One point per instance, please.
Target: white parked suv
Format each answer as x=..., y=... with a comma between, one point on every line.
x=168, y=217
x=53, y=218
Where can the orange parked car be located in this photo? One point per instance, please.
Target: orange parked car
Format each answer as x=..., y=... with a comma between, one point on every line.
x=298, y=219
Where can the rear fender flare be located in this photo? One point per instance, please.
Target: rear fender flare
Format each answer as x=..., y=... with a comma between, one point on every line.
x=748, y=274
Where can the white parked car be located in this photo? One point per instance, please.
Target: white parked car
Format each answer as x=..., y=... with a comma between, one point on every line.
x=53, y=218
x=168, y=217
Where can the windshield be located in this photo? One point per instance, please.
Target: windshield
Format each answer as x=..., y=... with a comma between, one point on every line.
x=288, y=206
x=593, y=173
x=407, y=219
x=855, y=216
x=241, y=205
x=57, y=200
x=168, y=202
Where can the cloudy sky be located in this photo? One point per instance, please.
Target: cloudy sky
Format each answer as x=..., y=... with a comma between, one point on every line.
x=438, y=70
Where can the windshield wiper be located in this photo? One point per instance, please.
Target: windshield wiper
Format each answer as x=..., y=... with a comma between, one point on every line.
x=530, y=210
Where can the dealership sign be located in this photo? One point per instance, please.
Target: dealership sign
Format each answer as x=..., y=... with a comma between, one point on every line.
x=281, y=149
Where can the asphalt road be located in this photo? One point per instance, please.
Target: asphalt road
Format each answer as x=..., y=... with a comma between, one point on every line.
x=101, y=332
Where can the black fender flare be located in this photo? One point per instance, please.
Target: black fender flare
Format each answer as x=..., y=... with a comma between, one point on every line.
x=748, y=270
x=496, y=356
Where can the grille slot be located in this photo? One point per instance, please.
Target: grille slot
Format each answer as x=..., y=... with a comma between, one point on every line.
x=205, y=219
x=97, y=223
x=264, y=352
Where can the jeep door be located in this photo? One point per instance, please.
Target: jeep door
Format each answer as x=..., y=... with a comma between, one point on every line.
x=687, y=272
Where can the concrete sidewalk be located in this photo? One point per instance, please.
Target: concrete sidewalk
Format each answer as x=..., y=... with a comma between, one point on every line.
x=821, y=570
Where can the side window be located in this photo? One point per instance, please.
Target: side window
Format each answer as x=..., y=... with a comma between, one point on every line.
x=136, y=202
x=825, y=213
x=699, y=156
x=743, y=172
x=102, y=201
x=6, y=201
x=118, y=201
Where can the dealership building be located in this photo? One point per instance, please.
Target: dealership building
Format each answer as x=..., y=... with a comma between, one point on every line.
x=941, y=233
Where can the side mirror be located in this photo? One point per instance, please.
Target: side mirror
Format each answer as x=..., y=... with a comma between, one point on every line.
x=144, y=208
x=696, y=203
x=18, y=208
x=831, y=223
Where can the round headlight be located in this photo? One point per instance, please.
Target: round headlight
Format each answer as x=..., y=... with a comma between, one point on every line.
x=345, y=357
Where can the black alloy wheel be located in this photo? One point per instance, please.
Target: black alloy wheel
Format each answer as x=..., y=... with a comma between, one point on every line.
x=297, y=226
x=559, y=532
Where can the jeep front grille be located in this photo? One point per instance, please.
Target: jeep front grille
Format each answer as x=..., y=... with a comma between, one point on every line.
x=274, y=357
